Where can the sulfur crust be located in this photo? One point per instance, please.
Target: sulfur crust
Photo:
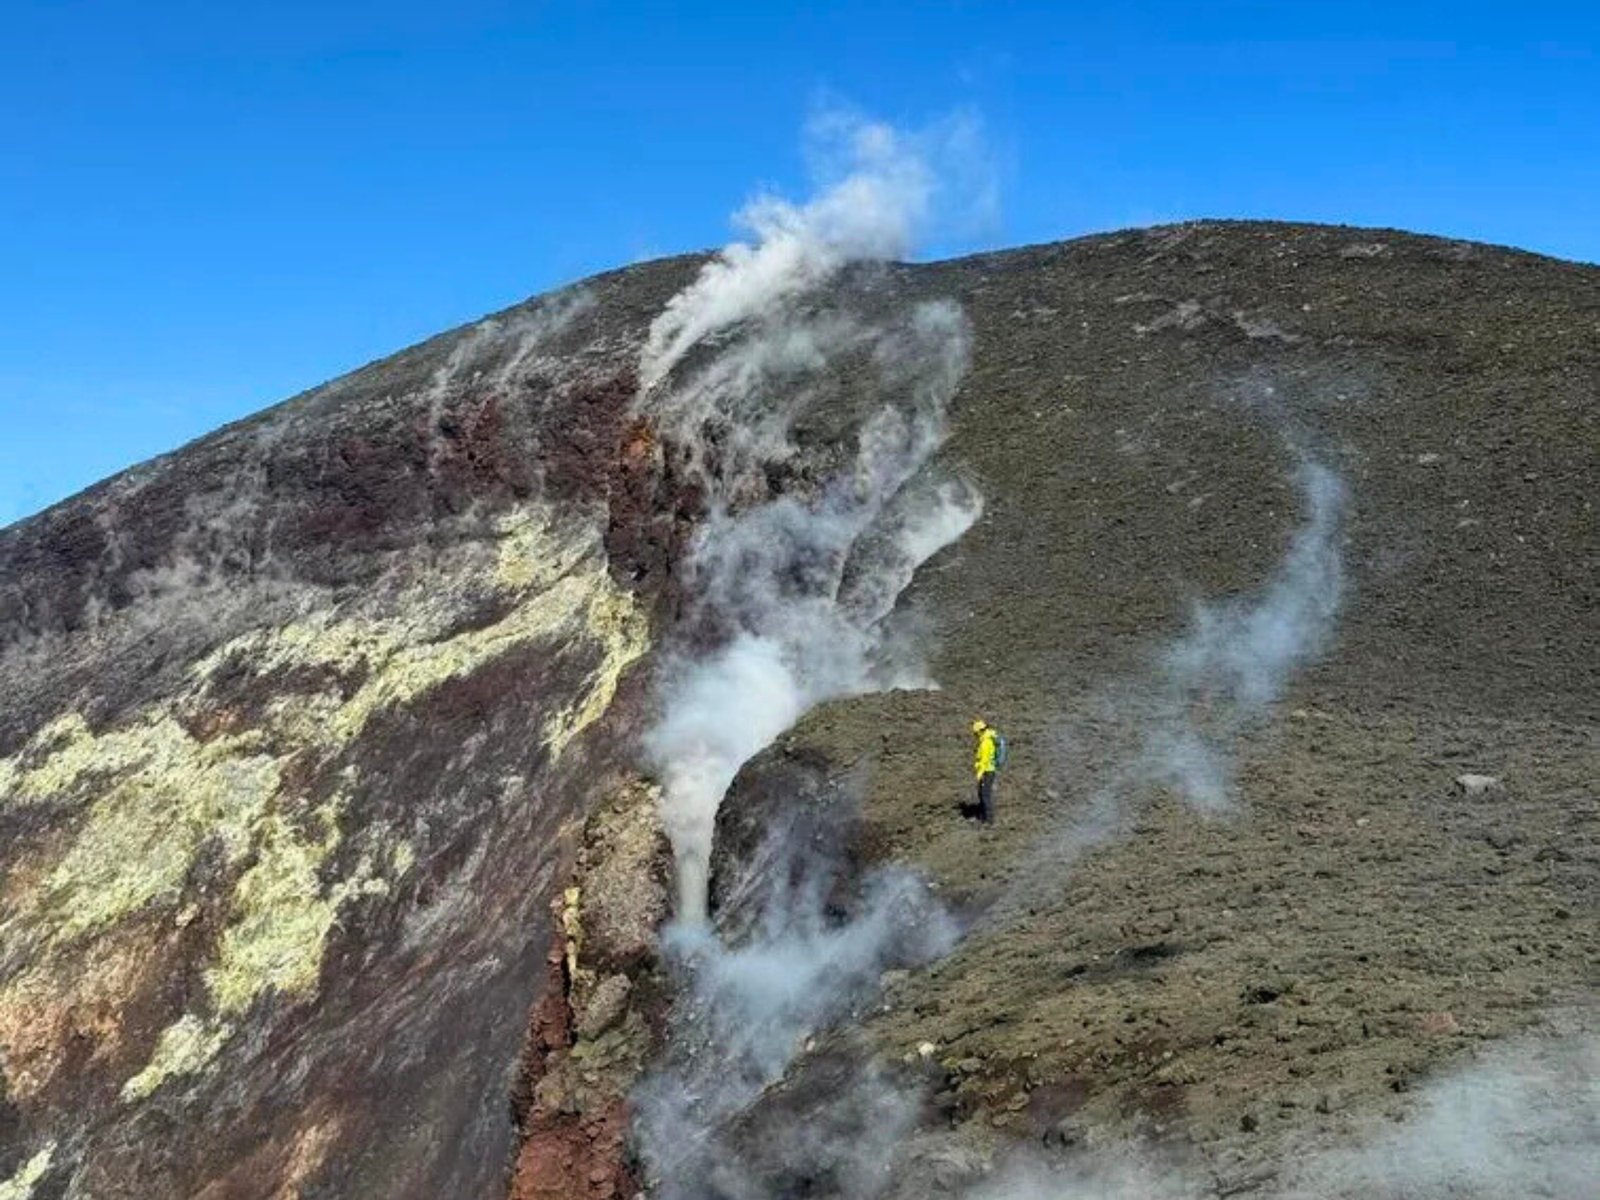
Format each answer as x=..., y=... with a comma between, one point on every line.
x=20, y=1186
x=154, y=794
x=186, y=1046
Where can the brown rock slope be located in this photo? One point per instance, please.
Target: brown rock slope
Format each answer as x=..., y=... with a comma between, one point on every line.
x=300, y=726
x=1356, y=921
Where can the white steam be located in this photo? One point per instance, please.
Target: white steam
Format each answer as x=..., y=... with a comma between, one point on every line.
x=877, y=191
x=1100, y=1177
x=792, y=592
x=1178, y=729
x=804, y=629
x=746, y=1012
x=1238, y=656
x=791, y=588
x=1524, y=1122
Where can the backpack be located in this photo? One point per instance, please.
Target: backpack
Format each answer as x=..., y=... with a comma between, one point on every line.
x=1001, y=751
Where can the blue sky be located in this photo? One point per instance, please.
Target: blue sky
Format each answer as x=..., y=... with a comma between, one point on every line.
x=206, y=207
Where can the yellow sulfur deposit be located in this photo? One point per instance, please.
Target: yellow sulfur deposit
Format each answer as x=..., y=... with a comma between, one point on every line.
x=143, y=833
x=20, y=1186
x=280, y=917
x=185, y=1046
x=155, y=790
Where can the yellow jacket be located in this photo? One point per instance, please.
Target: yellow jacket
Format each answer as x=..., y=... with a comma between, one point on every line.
x=983, y=756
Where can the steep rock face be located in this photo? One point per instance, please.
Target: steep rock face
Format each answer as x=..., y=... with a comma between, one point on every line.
x=298, y=726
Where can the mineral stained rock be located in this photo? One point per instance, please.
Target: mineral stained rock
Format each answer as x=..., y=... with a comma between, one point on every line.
x=297, y=727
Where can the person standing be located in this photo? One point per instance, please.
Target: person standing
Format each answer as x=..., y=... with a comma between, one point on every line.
x=987, y=757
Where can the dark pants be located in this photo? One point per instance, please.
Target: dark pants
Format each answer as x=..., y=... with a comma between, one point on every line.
x=986, y=797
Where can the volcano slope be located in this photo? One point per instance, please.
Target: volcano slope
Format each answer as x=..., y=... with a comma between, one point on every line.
x=301, y=726
x=1277, y=971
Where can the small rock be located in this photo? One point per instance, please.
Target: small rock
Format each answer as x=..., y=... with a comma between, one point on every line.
x=950, y=1167
x=607, y=1003
x=1249, y=1123
x=1477, y=785
x=926, y=1050
x=1063, y=1134
x=1429, y=459
x=1262, y=993
x=1439, y=1024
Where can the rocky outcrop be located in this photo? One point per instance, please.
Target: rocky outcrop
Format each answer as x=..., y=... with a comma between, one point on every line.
x=598, y=1025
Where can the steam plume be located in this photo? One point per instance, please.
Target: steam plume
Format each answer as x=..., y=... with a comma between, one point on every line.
x=1237, y=657
x=746, y=1011
x=793, y=590
x=1177, y=729
x=1524, y=1121
x=876, y=197
x=791, y=598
